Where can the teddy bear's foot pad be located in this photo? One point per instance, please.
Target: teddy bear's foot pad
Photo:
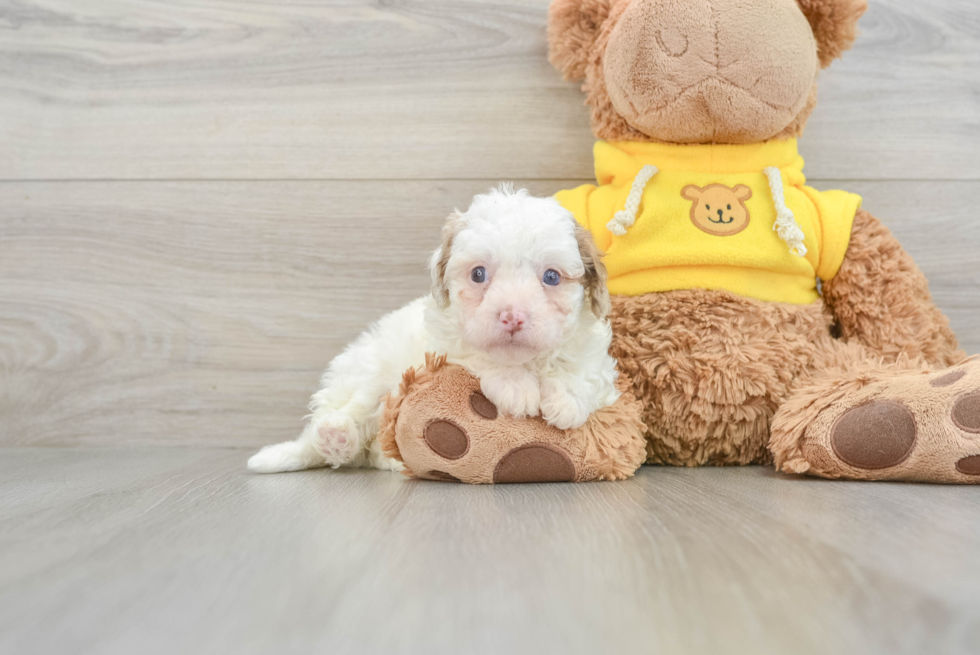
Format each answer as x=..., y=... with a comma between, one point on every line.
x=966, y=413
x=875, y=436
x=913, y=427
x=440, y=476
x=446, y=439
x=535, y=462
x=969, y=465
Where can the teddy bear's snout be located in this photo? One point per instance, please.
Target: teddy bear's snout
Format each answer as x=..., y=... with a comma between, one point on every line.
x=696, y=73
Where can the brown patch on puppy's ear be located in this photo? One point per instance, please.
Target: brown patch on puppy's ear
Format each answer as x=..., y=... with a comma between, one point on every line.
x=573, y=26
x=440, y=259
x=834, y=24
x=594, y=279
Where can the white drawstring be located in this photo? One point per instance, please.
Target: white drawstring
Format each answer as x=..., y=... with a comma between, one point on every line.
x=787, y=227
x=627, y=216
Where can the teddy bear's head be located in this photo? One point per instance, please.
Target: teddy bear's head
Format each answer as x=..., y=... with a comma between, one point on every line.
x=699, y=71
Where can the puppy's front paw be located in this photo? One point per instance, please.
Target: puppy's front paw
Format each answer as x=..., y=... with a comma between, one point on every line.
x=561, y=408
x=515, y=394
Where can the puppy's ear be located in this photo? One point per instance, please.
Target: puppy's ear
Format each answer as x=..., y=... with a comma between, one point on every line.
x=573, y=26
x=440, y=260
x=594, y=279
x=834, y=24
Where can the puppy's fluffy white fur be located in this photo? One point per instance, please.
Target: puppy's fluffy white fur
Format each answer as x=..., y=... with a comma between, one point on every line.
x=536, y=346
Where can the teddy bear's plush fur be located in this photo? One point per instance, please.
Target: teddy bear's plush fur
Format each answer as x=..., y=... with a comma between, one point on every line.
x=783, y=43
x=855, y=385
x=441, y=427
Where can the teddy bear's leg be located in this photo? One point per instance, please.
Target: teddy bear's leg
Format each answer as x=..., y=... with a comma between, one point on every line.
x=872, y=421
x=442, y=427
x=881, y=405
x=880, y=299
x=711, y=368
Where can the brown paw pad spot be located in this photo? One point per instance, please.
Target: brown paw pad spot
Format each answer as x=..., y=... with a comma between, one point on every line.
x=966, y=413
x=446, y=439
x=441, y=476
x=482, y=406
x=949, y=379
x=969, y=465
x=535, y=462
x=878, y=435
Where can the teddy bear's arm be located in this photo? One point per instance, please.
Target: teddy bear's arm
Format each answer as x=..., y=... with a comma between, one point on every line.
x=881, y=299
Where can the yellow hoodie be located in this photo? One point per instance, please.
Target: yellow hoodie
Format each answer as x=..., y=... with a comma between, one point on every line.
x=713, y=217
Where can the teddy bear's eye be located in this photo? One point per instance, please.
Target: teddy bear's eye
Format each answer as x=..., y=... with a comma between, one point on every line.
x=729, y=207
x=709, y=207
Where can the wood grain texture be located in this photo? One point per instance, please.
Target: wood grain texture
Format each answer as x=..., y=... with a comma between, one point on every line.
x=181, y=551
x=204, y=312
x=195, y=301
x=339, y=89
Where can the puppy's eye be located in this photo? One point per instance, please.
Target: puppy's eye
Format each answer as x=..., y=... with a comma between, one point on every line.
x=479, y=275
x=551, y=277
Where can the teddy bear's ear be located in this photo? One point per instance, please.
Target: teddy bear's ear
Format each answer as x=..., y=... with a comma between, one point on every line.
x=834, y=24
x=573, y=26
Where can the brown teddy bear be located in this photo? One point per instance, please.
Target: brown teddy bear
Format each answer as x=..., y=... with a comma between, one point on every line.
x=756, y=318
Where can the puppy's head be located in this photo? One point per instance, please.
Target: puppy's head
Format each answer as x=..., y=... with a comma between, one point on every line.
x=516, y=274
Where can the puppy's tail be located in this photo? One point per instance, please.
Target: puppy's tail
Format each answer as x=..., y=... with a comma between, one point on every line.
x=286, y=456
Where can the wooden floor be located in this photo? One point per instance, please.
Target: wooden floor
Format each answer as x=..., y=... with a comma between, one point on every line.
x=176, y=550
x=202, y=201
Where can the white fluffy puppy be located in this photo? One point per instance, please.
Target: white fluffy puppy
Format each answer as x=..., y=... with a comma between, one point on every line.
x=518, y=298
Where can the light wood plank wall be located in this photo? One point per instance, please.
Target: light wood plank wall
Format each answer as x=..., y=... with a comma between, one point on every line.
x=201, y=202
